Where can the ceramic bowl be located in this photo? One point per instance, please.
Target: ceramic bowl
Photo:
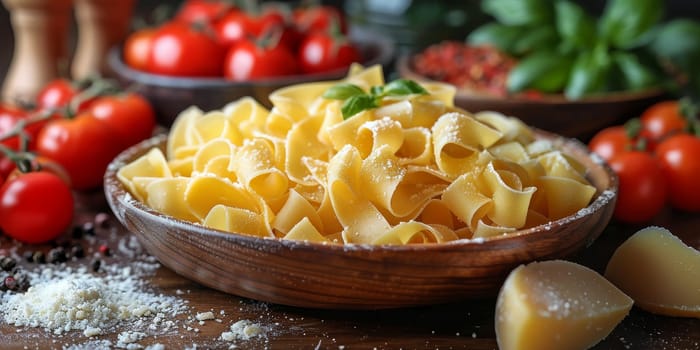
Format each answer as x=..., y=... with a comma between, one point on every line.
x=555, y=113
x=170, y=95
x=315, y=275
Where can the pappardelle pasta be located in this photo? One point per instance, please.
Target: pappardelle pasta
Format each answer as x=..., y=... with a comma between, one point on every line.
x=412, y=169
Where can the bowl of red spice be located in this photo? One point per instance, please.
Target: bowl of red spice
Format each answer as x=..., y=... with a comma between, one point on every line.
x=480, y=74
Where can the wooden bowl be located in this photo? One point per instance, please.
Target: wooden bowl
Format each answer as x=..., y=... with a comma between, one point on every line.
x=555, y=113
x=314, y=275
x=170, y=95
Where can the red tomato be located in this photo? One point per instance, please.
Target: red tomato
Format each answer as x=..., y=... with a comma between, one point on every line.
x=320, y=52
x=610, y=142
x=59, y=93
x=137, y=48
x=679, y=157
x=130, y=116
x=202, y=11
x=42, y=164
x=246, y=61
x=7, y=166
x=35, y=207
x=84, y=146
x=642, y=191
x=9, y=117
x=320, y=19
x=662, y=119
x=236, y=26
x=183, y=50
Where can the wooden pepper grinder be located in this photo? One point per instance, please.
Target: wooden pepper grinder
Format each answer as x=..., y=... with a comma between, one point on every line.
x=40, y=30
x=101, y=25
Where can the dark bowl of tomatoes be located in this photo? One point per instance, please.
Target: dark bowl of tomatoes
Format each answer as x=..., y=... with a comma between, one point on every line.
x=482, y=87
x=172, y=94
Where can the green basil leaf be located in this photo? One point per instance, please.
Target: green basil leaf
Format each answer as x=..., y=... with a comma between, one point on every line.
x=589, y=74
x=518, y=12
x=635, y=73
x=532, y=39
x=402, y=87
x=574, y=24
x=498, y=35
x=342, y=91
x=678, y=41
x=358, y=103
x=542, y=70
x=376, y=90
x=624, y=22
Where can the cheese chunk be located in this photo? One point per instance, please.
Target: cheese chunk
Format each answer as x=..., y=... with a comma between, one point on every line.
x=557, y=305
x=659, y=272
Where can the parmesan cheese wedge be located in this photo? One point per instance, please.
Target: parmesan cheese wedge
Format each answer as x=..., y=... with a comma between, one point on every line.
x=557, y=305
x=659, y=272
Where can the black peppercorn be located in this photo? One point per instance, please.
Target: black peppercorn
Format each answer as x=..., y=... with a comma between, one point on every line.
x=39, y=257
x=57, y=255
x=77, y=232
x=77, y=251
x=89, y=228
x=96, y=264
x=7, y=263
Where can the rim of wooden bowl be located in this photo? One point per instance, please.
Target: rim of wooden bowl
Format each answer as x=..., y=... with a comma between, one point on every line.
x=517, y=247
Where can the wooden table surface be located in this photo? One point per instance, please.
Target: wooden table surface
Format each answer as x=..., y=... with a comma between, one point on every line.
x=464, y=325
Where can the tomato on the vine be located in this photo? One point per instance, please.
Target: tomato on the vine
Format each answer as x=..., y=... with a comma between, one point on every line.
x=642, y=189
x=185, y=50
x=679, y=157
x=322, y=52
x=84, y=146
x=611, y=141
x=59, y=93
x=320, y=19
x=247, y=61
x=137, y=48
x=35, y=207
x=7, y=166
x=662, y=119
x=237, y=26
x=130, y=116
x=202, y=11
x=9, y=117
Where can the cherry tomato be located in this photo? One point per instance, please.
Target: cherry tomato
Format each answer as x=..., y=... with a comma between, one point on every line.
x=202, y=11
x=35, y=207
x=9, y=117
x=610, y=142
x=59, y=93
x=321, y=52
x=130, y=116
x=183, y=50
x=662, y=119
x=679, y=157
x=320, y=19
x=247, y=61
x=237, y=26
x=7, y=166
x=39, y=163
x=84, y=146
x=642, y=190
x=137, y=48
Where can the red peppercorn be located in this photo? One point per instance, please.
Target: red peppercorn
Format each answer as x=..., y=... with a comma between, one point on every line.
x=104, y=250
